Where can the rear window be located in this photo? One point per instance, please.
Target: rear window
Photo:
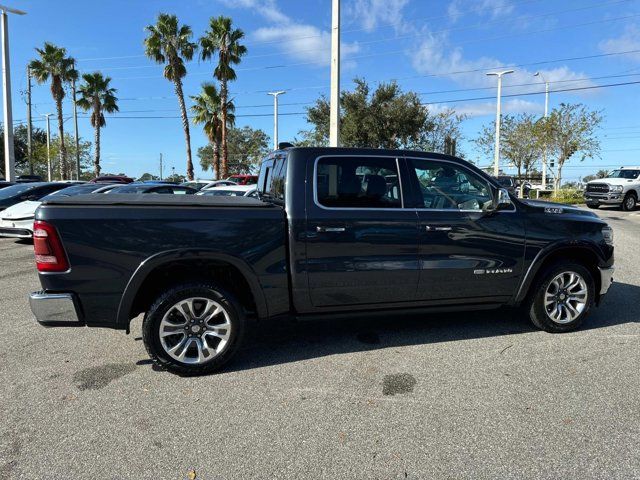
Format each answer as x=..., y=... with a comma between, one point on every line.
x=358, y=182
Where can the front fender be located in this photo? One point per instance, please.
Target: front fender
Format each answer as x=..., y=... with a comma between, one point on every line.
x=553, y=249
x=150, y=264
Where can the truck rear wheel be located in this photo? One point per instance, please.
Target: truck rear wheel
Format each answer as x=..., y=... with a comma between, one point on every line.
x=193, y=329
x=562, y=297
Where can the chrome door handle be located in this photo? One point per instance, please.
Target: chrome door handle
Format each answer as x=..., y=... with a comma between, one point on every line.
x=430, y=228
x=330, y=229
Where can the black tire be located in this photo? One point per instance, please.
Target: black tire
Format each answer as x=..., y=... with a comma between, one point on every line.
x=152, y=323
x=630, y=201
x=536, y=306
x=595, y=206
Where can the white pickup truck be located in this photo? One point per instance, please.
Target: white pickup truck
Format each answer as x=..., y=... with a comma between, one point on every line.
x=621, y=187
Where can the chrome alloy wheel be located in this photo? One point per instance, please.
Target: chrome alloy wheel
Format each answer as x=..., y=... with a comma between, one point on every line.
x=195, y=330
x=566, y=297
x=630, y=202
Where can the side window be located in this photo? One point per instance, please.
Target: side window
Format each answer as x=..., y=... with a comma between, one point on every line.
x=278, y=178
x=358, y=182
x=444, y=185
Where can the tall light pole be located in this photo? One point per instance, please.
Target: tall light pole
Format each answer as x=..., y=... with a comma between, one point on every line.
x=75, y=121
x=47, y=115
x=546, y=113
x=9, y=154
x=334, y=113
x=496, y=155
x=275, y=116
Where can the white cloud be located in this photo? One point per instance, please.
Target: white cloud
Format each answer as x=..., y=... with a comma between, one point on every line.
x=300, y=41
x=491, y=8
x=371, y=13
x=489, y=108
x=435, y=57
x=305, y=43
x=629, y=40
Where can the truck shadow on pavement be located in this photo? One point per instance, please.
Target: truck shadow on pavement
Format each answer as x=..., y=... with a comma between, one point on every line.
x=274, y=342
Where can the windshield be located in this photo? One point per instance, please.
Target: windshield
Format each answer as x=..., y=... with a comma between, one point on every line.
x=630, y=174
x=131, y=189
x=14, y=190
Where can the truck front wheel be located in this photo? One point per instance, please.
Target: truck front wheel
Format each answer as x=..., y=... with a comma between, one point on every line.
x=629, y=202
x=563, y=297
x=193, y=329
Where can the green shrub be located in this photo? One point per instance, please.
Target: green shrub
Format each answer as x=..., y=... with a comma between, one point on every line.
x=569, y=196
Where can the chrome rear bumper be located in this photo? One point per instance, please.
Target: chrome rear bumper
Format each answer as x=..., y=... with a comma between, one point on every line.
x=606, y=279
x=54, y=309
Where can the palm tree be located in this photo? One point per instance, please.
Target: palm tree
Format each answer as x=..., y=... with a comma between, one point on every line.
x=170, y=43
x=54, y=64
x=97, y=96
x=223, y=39
x=207, y=110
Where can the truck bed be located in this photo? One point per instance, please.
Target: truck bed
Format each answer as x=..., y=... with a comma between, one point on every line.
x=160, y=200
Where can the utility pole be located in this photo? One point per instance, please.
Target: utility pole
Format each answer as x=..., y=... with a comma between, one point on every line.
x=334, y=116
x=29, y=121
x=546, y=113
x=496, y=154
x=9, y=154
x=275, y=116
x=160, y=166
x=75, y=121
x=47, y=115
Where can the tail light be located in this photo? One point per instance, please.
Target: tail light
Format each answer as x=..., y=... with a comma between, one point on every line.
x=50, y=256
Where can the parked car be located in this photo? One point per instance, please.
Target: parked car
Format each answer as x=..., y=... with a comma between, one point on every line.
x=621, y=187
x=17, y=220
x=335, y=231
x=218, y=183
x=196, y=184
x=244, y=179
x=161, y=188
x=29, y=178
x=231, y=191
x=112, y=179
x=21, y=192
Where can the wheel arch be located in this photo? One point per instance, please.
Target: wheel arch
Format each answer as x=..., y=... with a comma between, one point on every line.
x=183, y=260
x=584, y=253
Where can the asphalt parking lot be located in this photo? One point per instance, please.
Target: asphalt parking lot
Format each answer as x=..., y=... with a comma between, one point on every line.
x=473, y=395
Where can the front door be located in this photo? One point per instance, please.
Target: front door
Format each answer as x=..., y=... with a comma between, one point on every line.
x=362, y=245
x=465, y=252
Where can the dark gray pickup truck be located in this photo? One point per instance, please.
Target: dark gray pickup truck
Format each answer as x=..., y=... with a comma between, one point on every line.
x=334, y=230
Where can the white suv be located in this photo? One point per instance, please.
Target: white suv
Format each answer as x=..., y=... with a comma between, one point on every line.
x=621, y=187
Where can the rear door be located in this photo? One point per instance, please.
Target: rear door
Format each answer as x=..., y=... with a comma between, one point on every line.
x=465, y=253
x=362, y=244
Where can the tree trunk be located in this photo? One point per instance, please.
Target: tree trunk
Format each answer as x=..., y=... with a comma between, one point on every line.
x=185, y=126
x=521, y=186
x=63, y=149
x=558, y=178
x=225, y=153
x=216, y=158
x=96, y=160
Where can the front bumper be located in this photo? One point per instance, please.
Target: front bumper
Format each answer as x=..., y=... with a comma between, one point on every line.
x=606, y=279
x=603, y=198
x=55, y=309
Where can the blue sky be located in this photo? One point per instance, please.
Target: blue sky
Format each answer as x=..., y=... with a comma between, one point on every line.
x=439, y=48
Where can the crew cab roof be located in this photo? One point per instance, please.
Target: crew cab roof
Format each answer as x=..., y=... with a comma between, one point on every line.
x=166, y=200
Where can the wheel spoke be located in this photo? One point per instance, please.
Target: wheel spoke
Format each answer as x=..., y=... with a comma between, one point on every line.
x=186, y=308
x=176, y=331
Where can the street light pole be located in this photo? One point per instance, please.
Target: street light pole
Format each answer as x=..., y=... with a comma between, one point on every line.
x=9, y=154
x=496, y=154
x=334, y=113
x=275, y=116
x=546, y=113
x=47, y=115
x=75, y=121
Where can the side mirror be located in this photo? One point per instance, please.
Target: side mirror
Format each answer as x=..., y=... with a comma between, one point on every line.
x=503, y=200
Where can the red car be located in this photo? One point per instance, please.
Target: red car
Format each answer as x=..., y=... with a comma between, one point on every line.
x=244, y=179
x=112, y=179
